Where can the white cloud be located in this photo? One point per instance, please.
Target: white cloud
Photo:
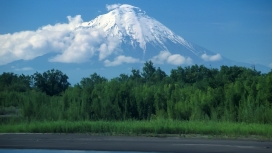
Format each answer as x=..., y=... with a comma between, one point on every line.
x=120, y=60
x=113, y=6
x=79, y=49
x=72, y=43
x=177, y=59
x=24, y=69
x=174, y=59
x=211, y=58
x=27, y=45
x=270, y=65
x=163, y=56
x=107, y=48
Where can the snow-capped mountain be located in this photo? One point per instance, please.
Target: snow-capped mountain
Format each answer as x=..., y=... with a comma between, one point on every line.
x=110, y=44
x=131, y=27
x=129, y=21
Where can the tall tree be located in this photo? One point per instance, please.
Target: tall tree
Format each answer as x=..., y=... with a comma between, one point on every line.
x=92, y=80
x=13, y=82
x=135, y=76
x=148, y=71
x=159, y=75
x=52, y=82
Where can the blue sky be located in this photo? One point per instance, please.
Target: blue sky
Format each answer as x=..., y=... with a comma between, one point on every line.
x=239, y=30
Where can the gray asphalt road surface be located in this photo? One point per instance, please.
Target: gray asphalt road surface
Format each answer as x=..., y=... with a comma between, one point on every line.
x=126, y=143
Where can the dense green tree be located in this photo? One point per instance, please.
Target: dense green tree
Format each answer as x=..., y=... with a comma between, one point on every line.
x=159, y=75
x=136, y=76
x=122, y=78
x=52, y=82
x=13, y=82
x=91, y=81
x=148, y=72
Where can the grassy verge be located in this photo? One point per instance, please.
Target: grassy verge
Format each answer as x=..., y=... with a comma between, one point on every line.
x=142, y=127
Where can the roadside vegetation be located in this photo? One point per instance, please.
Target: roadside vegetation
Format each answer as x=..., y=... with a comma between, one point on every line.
x=158, y=127
x=191, y=100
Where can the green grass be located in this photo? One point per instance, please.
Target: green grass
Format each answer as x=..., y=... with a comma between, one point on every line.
x=152, y=127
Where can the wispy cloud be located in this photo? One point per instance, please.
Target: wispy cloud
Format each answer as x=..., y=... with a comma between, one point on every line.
x=174, y=59
x=211, y=58
x=270, y=65
x=111, y=7
x=120, y=60
x=24, y=69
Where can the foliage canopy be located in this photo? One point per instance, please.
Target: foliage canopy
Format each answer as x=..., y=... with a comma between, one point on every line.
x=235, y=94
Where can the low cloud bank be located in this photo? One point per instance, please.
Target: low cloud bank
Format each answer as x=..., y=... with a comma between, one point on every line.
x=72, y=43
x=211, y=58
x=120, y=60
x=174, y=59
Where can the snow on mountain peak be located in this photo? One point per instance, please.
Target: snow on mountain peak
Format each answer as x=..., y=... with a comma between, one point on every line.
x=126, y=21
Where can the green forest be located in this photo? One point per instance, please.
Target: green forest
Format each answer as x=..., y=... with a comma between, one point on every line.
x=192, y=93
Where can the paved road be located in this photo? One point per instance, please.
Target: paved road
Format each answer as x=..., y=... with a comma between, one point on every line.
x=125, y=143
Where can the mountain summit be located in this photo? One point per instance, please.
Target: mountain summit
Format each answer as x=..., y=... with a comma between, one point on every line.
x=131, y=25
x=132, y=34
x=124, y=37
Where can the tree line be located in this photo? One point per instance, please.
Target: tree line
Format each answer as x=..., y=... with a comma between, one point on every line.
x=234, y=94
